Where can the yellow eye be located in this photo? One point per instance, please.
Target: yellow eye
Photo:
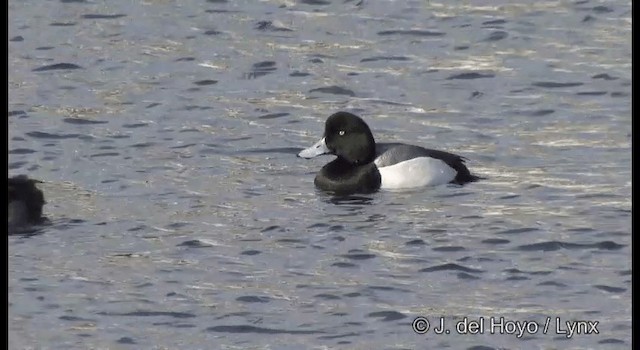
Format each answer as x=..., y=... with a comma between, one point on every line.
x=341, y=132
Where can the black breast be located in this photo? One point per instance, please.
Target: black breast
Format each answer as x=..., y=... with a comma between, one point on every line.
x=344, y=178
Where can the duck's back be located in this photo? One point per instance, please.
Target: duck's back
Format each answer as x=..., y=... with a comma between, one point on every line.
x=389, y=154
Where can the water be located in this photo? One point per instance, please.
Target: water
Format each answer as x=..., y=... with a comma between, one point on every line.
x=166, y=135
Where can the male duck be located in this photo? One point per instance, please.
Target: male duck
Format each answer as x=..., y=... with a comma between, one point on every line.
x=364, y=166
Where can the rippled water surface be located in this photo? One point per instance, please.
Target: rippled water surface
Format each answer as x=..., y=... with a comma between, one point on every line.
x=180, y=218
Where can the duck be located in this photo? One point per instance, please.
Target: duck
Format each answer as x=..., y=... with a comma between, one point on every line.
x=364, y=166
x=25, y=202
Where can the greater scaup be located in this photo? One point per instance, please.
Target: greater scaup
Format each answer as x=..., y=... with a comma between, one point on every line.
x=364, y=166
x=25, y=202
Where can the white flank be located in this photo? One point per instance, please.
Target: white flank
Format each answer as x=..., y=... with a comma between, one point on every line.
x=416, y=172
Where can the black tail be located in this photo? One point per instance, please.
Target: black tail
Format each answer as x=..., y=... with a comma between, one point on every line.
x=464, y=177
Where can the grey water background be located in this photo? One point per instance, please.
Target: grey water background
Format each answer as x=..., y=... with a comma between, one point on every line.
x=180, y=218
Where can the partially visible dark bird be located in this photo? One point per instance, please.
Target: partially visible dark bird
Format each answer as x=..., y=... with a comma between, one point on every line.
x=25, y=202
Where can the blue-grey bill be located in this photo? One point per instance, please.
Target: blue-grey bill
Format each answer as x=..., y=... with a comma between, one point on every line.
x=317, y=149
